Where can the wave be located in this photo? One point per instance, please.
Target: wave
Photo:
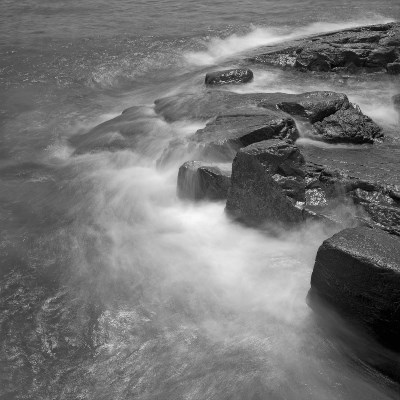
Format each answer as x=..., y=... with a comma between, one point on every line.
x=218, y=49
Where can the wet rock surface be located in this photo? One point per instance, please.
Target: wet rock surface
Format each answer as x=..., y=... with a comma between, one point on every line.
x=200, y=181
x=235, y=120
x=357, y=272
x=229, y=76
x=366, y=179
x=366, y=49
x=267, y=184
x=333, y=118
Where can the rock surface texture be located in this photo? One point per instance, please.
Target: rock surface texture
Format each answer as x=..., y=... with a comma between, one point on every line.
x=366, y=180
x=373, y=48
x=229, y=76
x=267, y=185
x=199, y=181
x=357, y=272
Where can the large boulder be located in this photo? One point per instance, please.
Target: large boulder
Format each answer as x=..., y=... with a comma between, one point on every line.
x=200, y=181
x=366, y=49
x=229, y=76
x=267, y=184
x=357, y=272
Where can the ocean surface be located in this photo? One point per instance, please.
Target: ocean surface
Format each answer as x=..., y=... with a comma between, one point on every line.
x=112, y=288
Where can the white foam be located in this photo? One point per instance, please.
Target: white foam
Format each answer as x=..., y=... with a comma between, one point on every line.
x=218, y=49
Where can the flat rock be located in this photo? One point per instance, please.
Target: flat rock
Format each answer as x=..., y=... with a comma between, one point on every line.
x=267, y=184
x=229, y=76
x=200, y=181
x=357, y=272
x=366, y=49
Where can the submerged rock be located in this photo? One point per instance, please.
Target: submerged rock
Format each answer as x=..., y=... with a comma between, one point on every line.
x=267, y=184
x=366, y=49
x=229, y=76
x=357, y=272
x=118, y=133
x=200, y=181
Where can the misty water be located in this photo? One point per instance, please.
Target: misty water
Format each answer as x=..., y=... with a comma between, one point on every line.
x=110, y=286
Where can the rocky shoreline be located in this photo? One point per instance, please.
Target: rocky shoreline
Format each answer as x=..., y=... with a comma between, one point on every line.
x=249, y=155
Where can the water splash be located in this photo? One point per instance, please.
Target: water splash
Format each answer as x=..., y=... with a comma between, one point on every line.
x=218, y=49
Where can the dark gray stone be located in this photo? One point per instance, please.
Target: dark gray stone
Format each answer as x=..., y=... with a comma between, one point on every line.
x=348, y=125
x=376, y=204
x=366, y=49
x=199, y=181
x=357, y=272
x=229, y=76
x=333, y=117
x=236, y=121
x=267, y=184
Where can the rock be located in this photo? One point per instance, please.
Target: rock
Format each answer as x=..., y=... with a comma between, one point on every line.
x=233, y=121
x=374, y=204
x=229, y=76
x=367, y=49
x=348, y=125
x=238, y=120
x=199, y=181
x=333, y=117
x=267, y=184
x=357, y=272
x=225, y=135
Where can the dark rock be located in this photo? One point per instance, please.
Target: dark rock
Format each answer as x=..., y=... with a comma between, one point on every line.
x=229, y=76
x=198, y=181
x=377, y=204
x=348, y=125
x=333, y=117
x=236, y=121
x=267, y=184
x=225, y=135
x=357, y=272
x=366, y=49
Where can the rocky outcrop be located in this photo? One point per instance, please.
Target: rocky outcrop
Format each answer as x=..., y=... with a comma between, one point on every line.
x=200, y=181
x=238, y=120
x=367, y=49
x=267, y=185
x=357, y=272
x=229, y=76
